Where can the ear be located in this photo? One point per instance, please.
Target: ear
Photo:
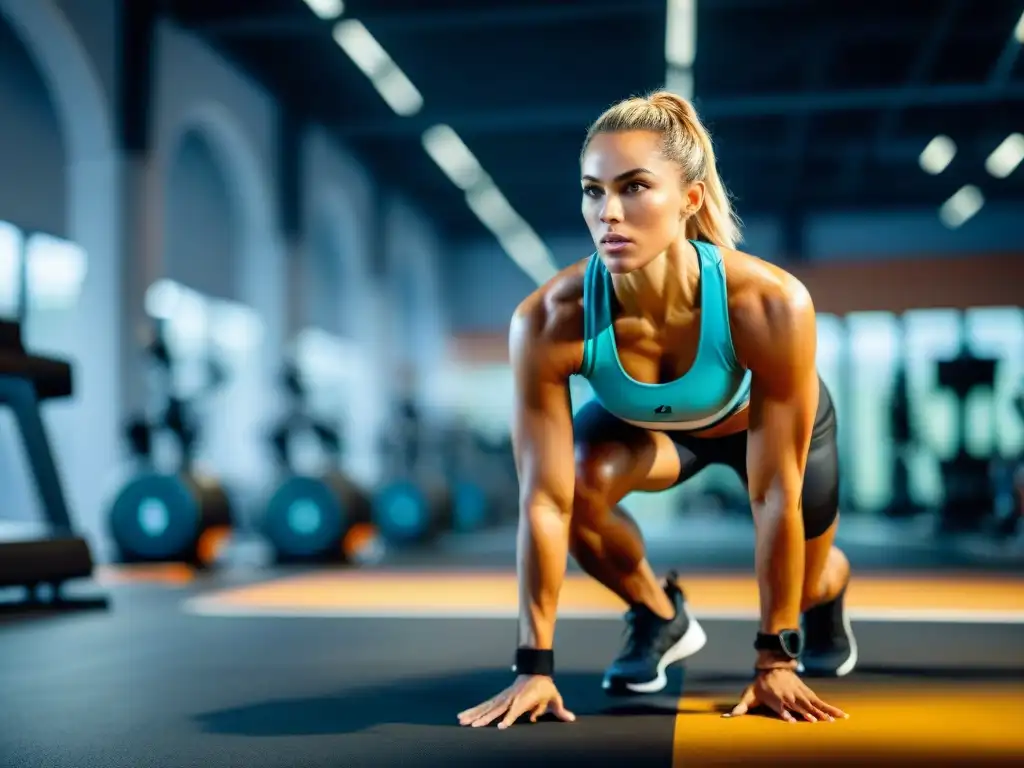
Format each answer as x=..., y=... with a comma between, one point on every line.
x=694, y=197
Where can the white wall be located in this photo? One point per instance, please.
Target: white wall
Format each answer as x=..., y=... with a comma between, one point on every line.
x=339, y=206
x=416, y=284
x=196, y=90
x=115, y=207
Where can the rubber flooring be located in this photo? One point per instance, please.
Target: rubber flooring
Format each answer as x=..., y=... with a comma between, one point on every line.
x=171, y=676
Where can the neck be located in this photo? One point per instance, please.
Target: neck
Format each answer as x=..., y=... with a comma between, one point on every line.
x=665, y=283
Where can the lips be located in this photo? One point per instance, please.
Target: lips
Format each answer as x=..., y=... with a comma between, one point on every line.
x=609, y=239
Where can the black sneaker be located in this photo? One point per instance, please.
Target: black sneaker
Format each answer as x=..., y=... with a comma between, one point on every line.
x=830, y=649
x=652, y=644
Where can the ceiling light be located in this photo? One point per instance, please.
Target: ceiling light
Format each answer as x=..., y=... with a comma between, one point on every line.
x=962, y=206
x=326, y=9
x=681, y=33
x=452, y=156
x=1006, y=157
x=937, y=156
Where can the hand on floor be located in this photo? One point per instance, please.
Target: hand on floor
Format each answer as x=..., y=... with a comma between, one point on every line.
x=782, y=691
x=535, y=694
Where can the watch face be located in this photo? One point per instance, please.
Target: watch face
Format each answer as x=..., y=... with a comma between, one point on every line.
x=792, y=642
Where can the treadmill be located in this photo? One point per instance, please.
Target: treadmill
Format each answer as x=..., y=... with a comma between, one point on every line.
x=40, y=564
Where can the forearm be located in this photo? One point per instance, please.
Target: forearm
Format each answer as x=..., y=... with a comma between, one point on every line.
x=543, y=550
x=779, y=561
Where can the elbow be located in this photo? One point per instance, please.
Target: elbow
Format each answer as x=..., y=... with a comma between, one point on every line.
x=543, y=524
x=542, y=509
x=775, y=505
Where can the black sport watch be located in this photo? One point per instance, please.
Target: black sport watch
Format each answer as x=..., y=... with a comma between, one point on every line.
x=788, y=643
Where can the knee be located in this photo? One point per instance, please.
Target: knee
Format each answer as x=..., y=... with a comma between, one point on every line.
x=598, y=476
x=597, y=471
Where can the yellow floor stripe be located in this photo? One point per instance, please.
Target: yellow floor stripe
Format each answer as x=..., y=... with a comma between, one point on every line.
x=888, y=724
x=441, y=593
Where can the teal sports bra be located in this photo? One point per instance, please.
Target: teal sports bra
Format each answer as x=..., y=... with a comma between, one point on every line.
x=713, y=389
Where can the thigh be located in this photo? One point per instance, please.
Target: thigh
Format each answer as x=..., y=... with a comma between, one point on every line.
x=622, y=457
x=821, y=476
x=819, y=499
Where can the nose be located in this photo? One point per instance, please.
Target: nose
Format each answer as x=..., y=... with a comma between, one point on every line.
x=611, y=211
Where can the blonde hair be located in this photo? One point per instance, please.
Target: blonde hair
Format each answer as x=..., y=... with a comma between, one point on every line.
x=687, y=142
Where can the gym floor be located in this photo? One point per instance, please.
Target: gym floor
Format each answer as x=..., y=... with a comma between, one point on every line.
x=369, y=667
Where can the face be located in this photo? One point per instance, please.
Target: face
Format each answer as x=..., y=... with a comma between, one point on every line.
x=634, y=200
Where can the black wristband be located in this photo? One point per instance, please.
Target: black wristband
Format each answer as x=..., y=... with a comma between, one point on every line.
x=533, y=661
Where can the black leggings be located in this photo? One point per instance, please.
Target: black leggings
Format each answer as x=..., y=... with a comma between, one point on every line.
x=820, y=500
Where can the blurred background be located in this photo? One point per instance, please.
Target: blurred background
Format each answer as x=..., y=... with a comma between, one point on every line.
x=279, y=243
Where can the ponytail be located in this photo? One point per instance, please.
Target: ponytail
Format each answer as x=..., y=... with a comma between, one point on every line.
x=688, y=143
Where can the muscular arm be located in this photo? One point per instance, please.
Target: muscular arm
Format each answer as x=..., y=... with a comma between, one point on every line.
x=784, y=400
x=543, y=442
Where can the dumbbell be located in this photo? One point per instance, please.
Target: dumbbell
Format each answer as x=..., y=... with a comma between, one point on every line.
x=316, y=518
x=412, y=511
x=171, y=518
x=472, y=506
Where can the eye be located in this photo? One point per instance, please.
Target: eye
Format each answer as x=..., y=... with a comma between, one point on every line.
x=635, y=186
x=591, y=191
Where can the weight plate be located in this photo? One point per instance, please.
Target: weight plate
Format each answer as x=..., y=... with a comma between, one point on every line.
x=401, y=512
x=470, y=507
x=155, y=517
x=304, y=519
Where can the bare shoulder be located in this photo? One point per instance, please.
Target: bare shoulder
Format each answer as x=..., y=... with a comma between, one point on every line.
x=547, y=326
x=769, y=308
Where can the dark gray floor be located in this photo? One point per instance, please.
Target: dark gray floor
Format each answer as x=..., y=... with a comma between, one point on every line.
x=145, y=685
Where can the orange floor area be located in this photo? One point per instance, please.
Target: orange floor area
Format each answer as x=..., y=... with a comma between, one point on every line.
x=484, y=593
x=920, y=722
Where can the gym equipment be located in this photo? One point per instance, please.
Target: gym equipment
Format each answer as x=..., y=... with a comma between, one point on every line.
x=901, y=503
x=309, y=518
x=416, y=505
x=469, y=473
x=968, y=496
x=413, y=510
x=61, y=555
x=312, y=518
x=1007, y=477
x=171, y=518
x=180, y=516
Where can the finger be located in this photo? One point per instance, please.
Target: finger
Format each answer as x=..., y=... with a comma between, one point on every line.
x=518, y=708
x=558, y=709
x=747, y=701
x=474, y=712
x=470, y=715
x=834, y=712
x=490, y=716
x=806, y=710
x=538, y=711
x=785, y=714
x=813, y=706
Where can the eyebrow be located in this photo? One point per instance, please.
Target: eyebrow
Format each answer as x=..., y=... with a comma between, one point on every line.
x=622, y=176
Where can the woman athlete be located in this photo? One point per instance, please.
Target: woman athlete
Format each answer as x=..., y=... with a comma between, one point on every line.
x=696, y=354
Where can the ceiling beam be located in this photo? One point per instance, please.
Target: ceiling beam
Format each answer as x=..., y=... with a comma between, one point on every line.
x=279, y=25
x=497, y=121
x=511, y=15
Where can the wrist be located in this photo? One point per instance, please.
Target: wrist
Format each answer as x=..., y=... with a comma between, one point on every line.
x=780, y=650
x=768, y=661
x=534, y=661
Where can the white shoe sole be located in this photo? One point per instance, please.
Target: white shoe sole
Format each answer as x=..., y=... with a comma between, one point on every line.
x=692, y=641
